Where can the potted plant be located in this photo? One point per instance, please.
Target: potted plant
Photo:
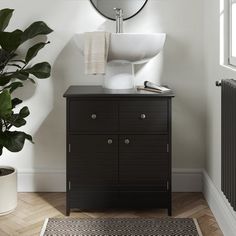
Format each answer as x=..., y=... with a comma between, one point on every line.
x=14, y=71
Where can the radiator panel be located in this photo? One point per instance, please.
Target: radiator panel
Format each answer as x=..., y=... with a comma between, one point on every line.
x=228, y=140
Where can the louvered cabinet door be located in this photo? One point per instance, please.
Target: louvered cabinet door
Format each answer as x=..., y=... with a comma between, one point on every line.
x=144, y=162
x=92, y=170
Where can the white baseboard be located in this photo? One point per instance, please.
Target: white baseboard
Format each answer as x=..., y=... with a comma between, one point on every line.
x=41, y=181
x=187, y=180
x=184, y=180
x=223, y=212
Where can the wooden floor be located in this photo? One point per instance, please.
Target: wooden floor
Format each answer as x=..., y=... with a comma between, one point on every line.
x=33, y=208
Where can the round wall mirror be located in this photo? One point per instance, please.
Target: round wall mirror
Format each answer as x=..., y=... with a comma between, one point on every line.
x=130, y=7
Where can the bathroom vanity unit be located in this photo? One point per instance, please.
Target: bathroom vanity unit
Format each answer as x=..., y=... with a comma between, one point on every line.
x=118, y=149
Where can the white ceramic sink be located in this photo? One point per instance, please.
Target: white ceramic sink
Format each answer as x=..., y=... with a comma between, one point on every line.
x=125, y=50
x=135, y=48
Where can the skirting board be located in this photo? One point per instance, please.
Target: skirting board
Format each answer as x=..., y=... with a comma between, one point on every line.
x=41, y=181
x=184, y=180
x=187, y=180
x=223, y=212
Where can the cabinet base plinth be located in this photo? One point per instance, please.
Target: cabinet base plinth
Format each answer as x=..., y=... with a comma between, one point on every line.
x=125, y=200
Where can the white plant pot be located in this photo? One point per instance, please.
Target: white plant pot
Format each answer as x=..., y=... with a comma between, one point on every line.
x=8, y=191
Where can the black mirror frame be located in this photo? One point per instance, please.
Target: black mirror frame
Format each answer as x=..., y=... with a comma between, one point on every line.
x=124, y=18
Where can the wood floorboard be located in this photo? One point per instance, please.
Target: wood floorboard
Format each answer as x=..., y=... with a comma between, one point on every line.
x=34, y=208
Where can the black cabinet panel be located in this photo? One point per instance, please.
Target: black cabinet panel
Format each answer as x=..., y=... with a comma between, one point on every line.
x=118, y=149
x=96, y=200
x=143, y=199
x=93, y=160
x=144, y=116
x=93, y=144
x=93, y=116
x=143, y=143
x=144, y=160
x=144, y=169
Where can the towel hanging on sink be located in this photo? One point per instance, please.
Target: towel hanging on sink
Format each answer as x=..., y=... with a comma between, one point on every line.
x=96, y=52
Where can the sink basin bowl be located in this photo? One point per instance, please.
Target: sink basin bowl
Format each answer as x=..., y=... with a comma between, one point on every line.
x=135, y=48
x=125, y=50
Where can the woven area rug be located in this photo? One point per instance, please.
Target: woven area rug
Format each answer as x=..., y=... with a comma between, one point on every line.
x=120, y=227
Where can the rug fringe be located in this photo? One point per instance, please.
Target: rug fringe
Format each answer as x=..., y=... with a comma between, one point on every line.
x=197, y=226
x=44, y=227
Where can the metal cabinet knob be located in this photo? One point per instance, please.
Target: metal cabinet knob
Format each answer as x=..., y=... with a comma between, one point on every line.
x=143, y=116
x=93, y=116
x=109, y=141
x=127, y=141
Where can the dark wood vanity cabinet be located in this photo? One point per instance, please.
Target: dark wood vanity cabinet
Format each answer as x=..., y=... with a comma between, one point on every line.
x=118, y=149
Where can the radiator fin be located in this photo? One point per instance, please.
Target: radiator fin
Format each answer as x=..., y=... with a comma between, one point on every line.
x=228, y=140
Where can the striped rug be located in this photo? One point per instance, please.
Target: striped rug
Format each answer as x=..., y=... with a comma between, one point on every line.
x=121, y=227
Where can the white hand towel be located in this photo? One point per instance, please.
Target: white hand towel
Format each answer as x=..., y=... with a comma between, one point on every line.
x=95, y=52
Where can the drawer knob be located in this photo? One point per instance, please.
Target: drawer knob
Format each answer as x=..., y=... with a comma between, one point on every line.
x=127, y=141
x=93, y=116
x=143, y=116
x=109, y=141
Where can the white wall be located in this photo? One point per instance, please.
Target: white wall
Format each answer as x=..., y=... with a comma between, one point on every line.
x=214, y=45
x=214, y=14
x=180, y=66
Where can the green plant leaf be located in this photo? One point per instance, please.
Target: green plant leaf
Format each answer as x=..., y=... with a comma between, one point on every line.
x=13, y=140
x=10, y=41
x=13, y=86
x=16, y=120
x=4, y=57
x=15, y=102
x=37, y=28
x=5, y=16
x=4, y=80
x=41, y=70
x=21, y=75
x=29, y=137
x=33, y=51
x=24, y=112
x=5, y=103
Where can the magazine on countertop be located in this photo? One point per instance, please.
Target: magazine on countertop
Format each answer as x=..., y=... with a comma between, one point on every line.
x=148, y=84
x=152, y=87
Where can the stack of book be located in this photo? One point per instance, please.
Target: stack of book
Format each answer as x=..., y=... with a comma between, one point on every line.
x=152, y=87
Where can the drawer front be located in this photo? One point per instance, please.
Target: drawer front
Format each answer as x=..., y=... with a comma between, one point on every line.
x=144, y=116
x=93, y=116
x=93, y=160
x=144, y=160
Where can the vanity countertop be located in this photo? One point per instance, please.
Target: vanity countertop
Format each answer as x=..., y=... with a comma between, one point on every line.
x=99, y=91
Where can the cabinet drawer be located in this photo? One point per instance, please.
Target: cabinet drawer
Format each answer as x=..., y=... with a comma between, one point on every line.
x=144, y=116
x=93, y=116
